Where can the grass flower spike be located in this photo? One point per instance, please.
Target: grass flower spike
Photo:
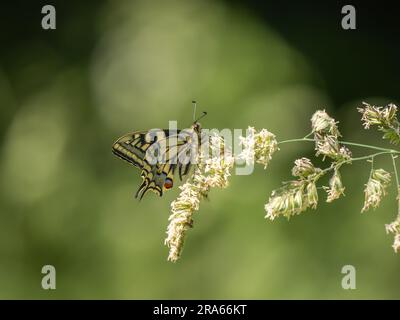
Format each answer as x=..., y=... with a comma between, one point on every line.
x=258, y=146
x=336, y=188
x=396, y=243
x=383, y=117
x=394, y=228
x=375, y=189
x=298, y=195
x=219, y=165
x=180, y=219
x=303, y=168
x=209, y=173
x=326, y=135
x=323, y=124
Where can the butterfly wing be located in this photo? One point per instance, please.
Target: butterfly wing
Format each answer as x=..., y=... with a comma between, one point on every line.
x=132, y=148
x=157, y=177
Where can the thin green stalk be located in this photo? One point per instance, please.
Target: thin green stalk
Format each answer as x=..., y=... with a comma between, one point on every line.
x=310, y=134
x=371, y=156
x=296, y=140
x=395, y=171
x=345, y=143
x=372, y=167
x=367, y=146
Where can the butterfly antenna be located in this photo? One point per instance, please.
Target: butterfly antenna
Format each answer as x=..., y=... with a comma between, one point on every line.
x=194, y=109
x=194, y=112
x=202, y=116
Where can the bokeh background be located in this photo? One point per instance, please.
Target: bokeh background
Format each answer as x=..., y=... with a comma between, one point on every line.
x=112, y=67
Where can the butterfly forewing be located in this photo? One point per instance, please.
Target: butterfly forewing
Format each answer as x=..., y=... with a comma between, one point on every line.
x=132, y=148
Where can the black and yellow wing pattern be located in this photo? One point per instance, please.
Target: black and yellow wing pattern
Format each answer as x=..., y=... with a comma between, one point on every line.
x=157, y=176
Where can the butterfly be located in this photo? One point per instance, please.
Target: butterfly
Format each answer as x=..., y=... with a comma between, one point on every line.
x=158, y=153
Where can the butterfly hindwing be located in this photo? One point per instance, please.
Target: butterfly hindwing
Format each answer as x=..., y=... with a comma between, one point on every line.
x=157, y=180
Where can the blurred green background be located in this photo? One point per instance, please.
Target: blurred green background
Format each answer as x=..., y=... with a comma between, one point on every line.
x=112, y=67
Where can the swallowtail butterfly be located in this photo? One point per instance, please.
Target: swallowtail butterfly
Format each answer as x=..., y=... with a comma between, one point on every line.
x=159, y=153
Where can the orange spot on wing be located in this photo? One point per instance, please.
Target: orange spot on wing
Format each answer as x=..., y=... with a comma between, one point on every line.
x=168, y=184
